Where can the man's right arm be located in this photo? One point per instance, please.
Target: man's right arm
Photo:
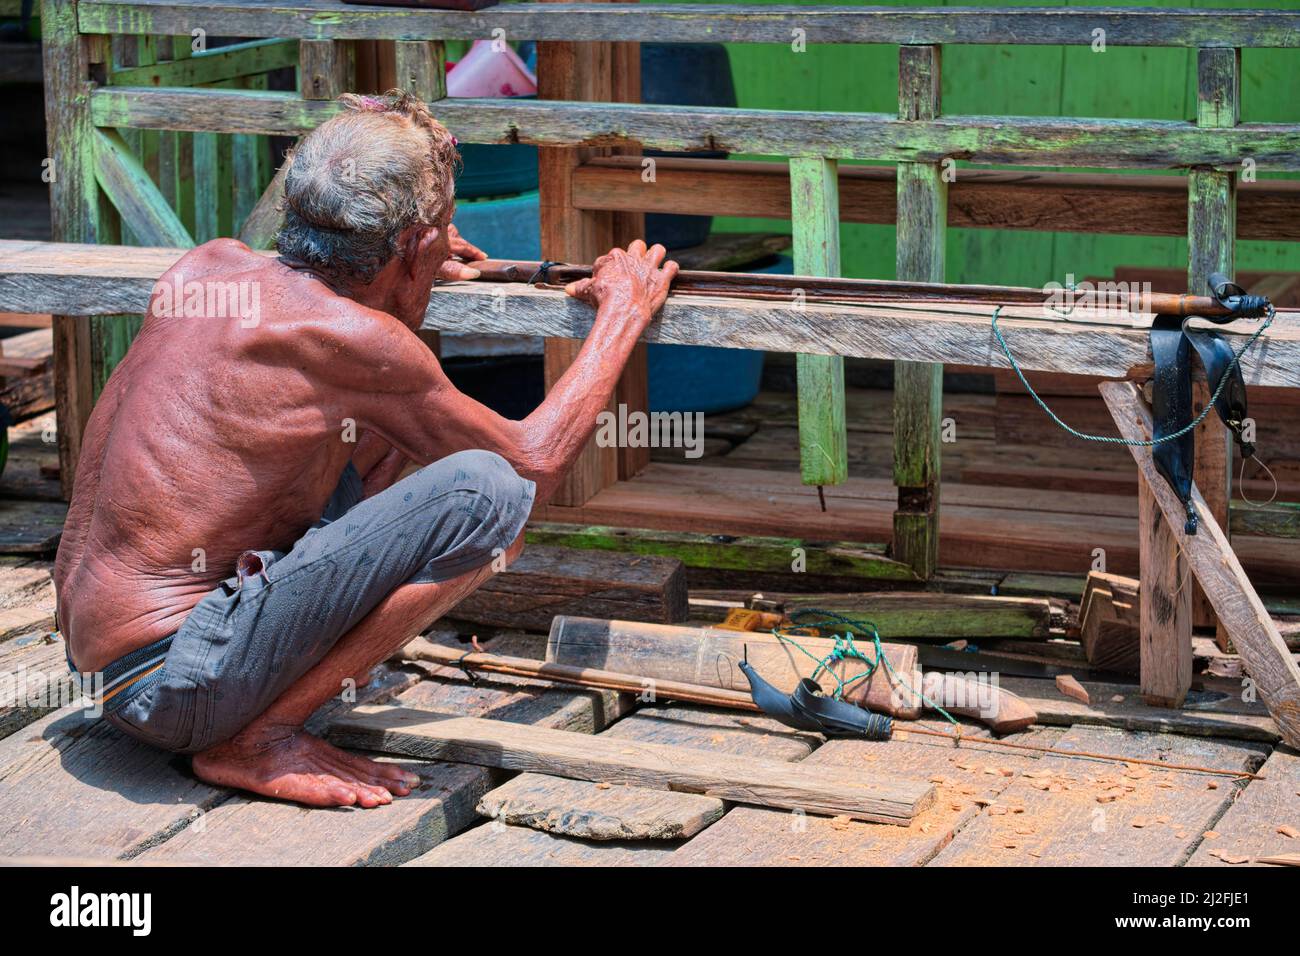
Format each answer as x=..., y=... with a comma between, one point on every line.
x=415, y=407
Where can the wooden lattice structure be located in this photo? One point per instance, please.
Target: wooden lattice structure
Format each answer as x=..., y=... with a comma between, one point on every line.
x=136, y=118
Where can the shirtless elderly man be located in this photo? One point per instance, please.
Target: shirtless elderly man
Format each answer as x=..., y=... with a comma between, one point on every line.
x=235, y=552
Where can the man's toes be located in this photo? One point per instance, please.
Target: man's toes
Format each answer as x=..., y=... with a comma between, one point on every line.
x=382, y=774
x=368, y=796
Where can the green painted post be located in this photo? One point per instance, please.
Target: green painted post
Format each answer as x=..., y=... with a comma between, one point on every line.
x=815, y=215
x=918, y=386
x=1211, y=238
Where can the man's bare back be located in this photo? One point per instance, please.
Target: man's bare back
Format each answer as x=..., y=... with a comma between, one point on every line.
x=213, y=438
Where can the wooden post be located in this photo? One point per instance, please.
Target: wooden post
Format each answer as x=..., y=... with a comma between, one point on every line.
x=1165, y=607
x=1211, y=239
x=1273, y=672
x=918, y=386
x=578, y=71
x=634, y=384
x=420, y=68
x=815, y=216
x=326, y=69
x=74, y=213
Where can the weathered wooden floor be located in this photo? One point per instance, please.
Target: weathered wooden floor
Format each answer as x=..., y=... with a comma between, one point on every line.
x=75, y=788
x=72, y=787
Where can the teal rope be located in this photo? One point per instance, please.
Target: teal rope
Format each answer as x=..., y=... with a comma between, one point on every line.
x=1110, y=439
x=845, y=648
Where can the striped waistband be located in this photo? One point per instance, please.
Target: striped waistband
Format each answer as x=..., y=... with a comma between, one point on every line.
x=127, y=670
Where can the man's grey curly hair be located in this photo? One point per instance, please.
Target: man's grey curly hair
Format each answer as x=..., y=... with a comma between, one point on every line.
x=357, y=181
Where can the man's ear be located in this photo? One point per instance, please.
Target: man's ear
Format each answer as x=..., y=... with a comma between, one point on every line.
x=419, y=245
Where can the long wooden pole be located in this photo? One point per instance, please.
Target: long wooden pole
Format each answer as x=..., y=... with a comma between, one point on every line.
x=424, y=650
x=820, y=289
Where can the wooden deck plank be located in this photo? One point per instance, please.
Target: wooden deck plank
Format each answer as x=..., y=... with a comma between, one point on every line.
x=74, y=786
x=1254, y=825
x=244, y=831
x=1205, y=713
x=600, y=812
x=753, y=780
x=680, y=725
x=1096, y=813
x=256, y=832
x=31, y=527
x=34, y=680
x=502, y=845
x=748, y=836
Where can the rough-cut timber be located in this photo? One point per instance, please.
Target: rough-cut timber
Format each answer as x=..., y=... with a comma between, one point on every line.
x=1241, y=613
x=546, y=581
x=1011, y=140
x=708, y=23
x=104, y=280
x=74, y=213
x=1109, y=622
x=72, y=785
x=513, y=747
x=595, y=811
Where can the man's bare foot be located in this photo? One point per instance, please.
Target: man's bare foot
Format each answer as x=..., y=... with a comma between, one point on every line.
x=290, y=764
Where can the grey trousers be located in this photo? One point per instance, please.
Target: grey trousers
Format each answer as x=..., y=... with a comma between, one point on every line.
x=257, y=633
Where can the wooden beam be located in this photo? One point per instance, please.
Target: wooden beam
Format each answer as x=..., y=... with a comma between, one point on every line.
x=579, y=71
x=634, y=384
x=212, y=66
x=1165, y=606
x=706, y=23
x=823, y=435
x=65, y=278
x=74, y=214
x=918, y=386
x=1211, y=243
x=1274, y=673
x=1009, y=140
x=1109, y=203
x=546, y=581
x=750, y=780
x=138, y=201
x=420, y=68
x=325, y=70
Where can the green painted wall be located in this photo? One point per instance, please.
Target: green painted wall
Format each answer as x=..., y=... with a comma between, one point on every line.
x=1021, y=80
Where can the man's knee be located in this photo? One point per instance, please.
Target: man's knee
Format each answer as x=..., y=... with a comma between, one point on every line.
x=496, y=502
